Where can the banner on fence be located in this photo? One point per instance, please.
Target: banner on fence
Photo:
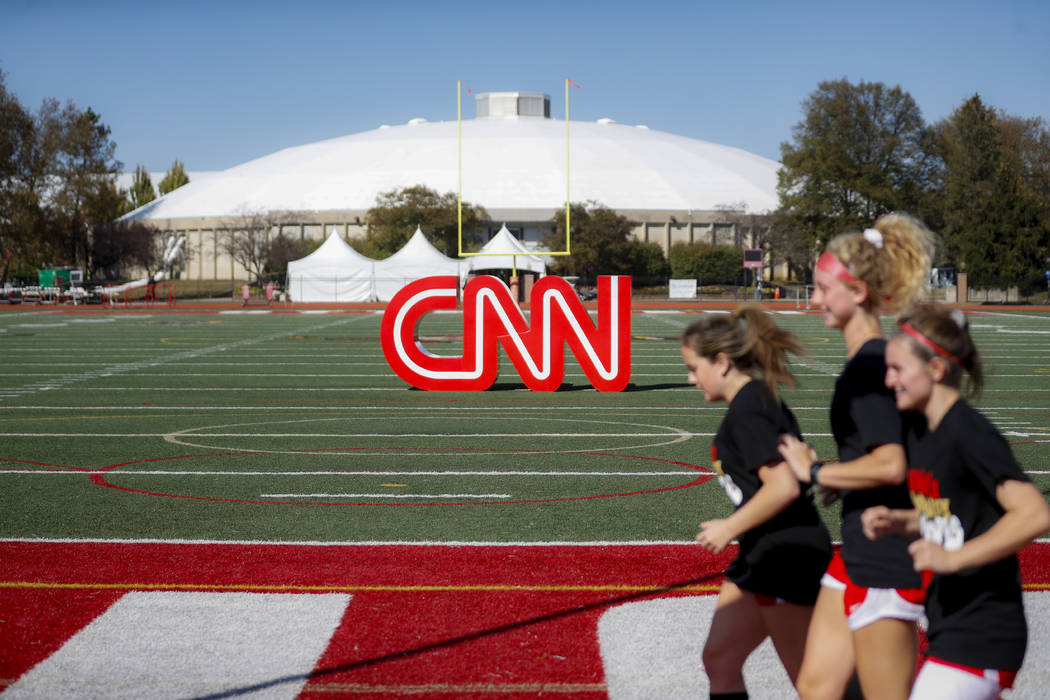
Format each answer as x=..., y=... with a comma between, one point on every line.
x=681, y=289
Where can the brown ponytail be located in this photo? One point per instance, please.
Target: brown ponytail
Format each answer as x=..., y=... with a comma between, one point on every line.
x=752, y=341
x=933, y=331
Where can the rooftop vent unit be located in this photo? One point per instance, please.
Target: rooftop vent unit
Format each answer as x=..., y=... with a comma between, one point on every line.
x=513, y=105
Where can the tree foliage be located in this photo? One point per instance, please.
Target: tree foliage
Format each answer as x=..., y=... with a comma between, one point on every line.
x=57, y=180
x=859, y=152
x=281, y=250
x=175, y=178
x=118, y=246
x=996, y=195
x=397, y=214
x=981, y=178
x=706, y=262
x=85, y=169
x=247, y=239
x=141, y=191
x=786, y=244
x=17, y=205
x=601, y=244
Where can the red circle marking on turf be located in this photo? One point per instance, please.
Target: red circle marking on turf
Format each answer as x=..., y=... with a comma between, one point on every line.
x=100, y=480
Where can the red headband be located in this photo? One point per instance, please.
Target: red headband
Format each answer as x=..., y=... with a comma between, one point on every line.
x=833, y=266
x=910, y=330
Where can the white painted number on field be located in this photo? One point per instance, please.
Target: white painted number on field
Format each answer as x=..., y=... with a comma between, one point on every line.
x=190, y=645
x=652, y=649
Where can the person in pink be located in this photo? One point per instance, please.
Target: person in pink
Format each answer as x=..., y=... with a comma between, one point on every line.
x=246, y=293
x=269, y=293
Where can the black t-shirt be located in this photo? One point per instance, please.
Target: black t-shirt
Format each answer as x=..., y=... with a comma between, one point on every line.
x=976, y=617
x=863, y=416
x=785, y=556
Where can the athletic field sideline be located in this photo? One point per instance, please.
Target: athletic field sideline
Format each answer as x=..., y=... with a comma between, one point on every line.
x=217, y=502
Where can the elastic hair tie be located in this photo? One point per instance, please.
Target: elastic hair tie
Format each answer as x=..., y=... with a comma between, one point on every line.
x=834, y=267
x=910, y=330
x=873, y=236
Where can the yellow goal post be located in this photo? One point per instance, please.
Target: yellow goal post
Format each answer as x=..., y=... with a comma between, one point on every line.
x=459, y=190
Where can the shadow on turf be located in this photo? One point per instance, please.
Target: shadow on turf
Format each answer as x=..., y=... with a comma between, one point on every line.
x=655, y=387
x=463, y=639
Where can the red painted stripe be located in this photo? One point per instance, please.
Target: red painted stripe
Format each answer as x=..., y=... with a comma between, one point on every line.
x=387, y=637
x=349, y=565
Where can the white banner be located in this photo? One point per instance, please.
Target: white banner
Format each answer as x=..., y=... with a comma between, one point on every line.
x=681, y=289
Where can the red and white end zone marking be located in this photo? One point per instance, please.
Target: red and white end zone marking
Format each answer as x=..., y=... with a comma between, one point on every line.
x=624, y=621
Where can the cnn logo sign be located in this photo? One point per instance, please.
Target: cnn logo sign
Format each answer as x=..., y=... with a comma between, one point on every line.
x=491, y=316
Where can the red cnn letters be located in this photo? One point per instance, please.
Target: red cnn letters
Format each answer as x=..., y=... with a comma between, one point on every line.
x=490, y=314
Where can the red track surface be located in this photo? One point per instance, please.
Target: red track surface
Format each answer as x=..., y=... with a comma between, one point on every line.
x=435, y=618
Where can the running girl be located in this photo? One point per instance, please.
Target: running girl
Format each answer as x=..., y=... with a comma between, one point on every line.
x=973, y=507
x=784, y=547
x=871, y=596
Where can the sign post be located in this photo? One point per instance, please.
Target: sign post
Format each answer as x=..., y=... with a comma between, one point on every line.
x=753, y=259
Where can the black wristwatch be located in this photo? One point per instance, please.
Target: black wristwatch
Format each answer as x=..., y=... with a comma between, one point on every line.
x=814, y=471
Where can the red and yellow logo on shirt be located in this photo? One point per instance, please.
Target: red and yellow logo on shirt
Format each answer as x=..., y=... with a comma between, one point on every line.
x=936, y=521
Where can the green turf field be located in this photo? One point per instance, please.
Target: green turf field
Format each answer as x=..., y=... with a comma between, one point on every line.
x=291, y=427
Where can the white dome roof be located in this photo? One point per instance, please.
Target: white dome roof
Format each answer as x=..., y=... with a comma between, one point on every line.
x=507, y=164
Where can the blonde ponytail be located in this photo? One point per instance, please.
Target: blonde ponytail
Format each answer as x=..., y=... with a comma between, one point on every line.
x=894, y=265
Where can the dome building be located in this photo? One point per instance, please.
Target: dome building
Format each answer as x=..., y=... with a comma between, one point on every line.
x=670, y=187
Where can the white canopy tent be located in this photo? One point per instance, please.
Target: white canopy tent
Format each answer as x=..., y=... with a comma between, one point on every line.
x=416, y=259
x=505, y=252
x=333, y=272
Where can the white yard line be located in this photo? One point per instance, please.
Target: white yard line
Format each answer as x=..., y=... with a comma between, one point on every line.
x=384, y=495
x=64, y=380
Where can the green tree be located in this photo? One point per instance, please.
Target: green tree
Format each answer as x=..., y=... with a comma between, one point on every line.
x=859, y=152
x=118, y=246
x=601, y=244
x=650, y=264
x=706, y=262
x=141, y=191
x=789, y=245
x=397, y=213
x=16, y=136
x=103, y=204
x=85, y=170
x=1005, y=245
x=996, y=195
x=29, y=225
x=367, y=248
x=175, y=178
x=57, y=179
x=1026, y=148
x=971, y=149
x=281, y=250
x=248, y=238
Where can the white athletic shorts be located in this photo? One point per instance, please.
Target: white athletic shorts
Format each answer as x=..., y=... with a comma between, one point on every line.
x=942, y=679
x=867, y=605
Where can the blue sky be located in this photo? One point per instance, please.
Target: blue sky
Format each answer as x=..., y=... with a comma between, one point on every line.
x=222, y=82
